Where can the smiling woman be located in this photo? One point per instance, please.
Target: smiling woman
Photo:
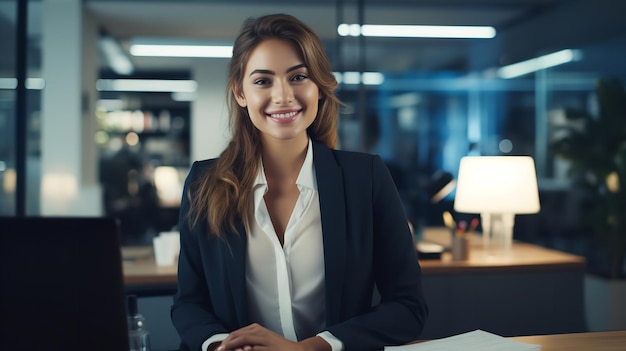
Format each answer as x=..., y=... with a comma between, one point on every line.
x=282, y=103
x=283, y=238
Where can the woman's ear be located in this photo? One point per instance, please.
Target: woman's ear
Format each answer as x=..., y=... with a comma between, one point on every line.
x=241, y=99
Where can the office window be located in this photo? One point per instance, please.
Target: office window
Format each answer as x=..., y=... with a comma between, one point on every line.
x=8, y=82
x=9, y=112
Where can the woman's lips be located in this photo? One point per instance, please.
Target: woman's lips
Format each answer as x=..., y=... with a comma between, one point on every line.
x=284, y=117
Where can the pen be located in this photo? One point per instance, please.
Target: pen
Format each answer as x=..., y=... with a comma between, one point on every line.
x=449, y=221
x=460, y=230
x=473, y=225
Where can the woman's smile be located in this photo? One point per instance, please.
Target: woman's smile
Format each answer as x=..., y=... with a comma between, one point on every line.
x=284, y=117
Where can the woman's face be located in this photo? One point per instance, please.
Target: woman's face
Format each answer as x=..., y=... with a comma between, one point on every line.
x=281, y=99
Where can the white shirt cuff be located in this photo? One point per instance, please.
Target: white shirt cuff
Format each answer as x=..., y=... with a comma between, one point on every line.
x=212, y=339
x=335, y=344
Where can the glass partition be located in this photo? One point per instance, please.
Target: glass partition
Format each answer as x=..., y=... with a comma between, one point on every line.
x=8, y=83
x=9, y=136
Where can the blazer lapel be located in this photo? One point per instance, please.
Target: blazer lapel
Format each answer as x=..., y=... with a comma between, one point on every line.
x=332, y=206
x=235, y=252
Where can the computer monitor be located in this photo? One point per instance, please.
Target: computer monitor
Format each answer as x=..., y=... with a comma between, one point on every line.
x=61, y=284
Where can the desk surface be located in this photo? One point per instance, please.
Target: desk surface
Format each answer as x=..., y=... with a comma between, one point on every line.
x=140, y=268
x=593, y=341
x=523, y=257
x=596, y=341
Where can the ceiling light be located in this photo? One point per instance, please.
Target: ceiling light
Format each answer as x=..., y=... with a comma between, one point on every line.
x=180, y=96
x=221, y=51
x=416, y=31
x=539, y=63
x=369, y=78
x=31, y=83
x=35, y=83
x=111, y=104
x=147, y=85
x=117, y=58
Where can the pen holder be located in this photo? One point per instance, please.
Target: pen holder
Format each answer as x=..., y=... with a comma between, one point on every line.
x=460, y=248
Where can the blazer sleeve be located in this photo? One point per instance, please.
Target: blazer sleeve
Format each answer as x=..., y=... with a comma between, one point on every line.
x=191, y=311
x=401, y=314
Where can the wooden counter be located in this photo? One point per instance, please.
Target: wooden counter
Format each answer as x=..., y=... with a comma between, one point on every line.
x=593, y=341
x=596, y=341
x=523, y=257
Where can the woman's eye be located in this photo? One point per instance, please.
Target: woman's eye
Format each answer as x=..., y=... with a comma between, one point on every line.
x=299, y=77
x=262, y=81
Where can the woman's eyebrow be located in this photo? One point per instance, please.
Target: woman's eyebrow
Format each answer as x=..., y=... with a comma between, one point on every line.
x=296, y=67
x=267, y=71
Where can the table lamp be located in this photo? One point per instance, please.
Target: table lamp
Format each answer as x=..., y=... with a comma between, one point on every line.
x=498, y=188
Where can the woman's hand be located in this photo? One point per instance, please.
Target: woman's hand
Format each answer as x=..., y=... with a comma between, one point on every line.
x=257, y=338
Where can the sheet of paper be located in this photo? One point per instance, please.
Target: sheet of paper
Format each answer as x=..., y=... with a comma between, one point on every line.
x=477, y=340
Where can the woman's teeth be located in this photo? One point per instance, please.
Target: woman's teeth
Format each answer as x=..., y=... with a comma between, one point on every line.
x=283, y=115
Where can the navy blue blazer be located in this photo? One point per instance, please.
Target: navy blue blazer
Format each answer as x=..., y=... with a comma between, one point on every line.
x=367, y=246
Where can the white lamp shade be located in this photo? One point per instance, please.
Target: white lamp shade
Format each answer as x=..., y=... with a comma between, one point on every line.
x=497, y=184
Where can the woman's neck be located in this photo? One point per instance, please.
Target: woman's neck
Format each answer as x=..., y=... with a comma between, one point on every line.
x=282, y=159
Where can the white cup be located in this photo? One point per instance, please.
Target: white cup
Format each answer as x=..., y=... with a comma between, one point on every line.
x=163, y=251
x=174, y=241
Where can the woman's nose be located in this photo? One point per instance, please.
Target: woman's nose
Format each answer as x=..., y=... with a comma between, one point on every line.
x=282, y=93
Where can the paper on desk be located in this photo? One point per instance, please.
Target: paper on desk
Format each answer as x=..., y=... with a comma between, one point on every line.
x=471, y=341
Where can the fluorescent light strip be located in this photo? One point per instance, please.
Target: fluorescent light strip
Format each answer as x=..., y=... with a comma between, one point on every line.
x=369, y=78
x=539, y=63
x=223, y=51
x=31, y=83
x=35, y=83
x=147, y=85
x=416, y=31
x=178, y=96
x=111, y=104
x=8, y=83
x=119, y=61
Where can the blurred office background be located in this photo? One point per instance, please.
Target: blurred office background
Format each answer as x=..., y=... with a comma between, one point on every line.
x=82, y=134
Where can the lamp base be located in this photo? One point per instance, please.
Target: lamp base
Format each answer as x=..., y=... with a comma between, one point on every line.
x=497, y=233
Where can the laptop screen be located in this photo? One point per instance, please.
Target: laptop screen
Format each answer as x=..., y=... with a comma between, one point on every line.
x=61, y=284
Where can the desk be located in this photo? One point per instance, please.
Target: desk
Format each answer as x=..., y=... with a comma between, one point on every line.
x=140, y=268
x=143, y=277
x=534, y=291
x=597, y=341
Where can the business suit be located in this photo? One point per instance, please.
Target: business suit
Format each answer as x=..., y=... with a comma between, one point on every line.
x=366, y=244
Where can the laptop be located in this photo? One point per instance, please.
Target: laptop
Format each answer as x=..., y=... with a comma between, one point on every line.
x=61, y=284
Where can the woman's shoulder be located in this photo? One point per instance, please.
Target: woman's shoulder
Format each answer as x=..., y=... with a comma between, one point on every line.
x=201, y=164
x=344, y=155
x=354, y=161
x=200, y=167
x=354, y=155
x=355, y=158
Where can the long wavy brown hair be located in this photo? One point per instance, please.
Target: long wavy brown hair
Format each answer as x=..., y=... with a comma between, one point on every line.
x=224, y=194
